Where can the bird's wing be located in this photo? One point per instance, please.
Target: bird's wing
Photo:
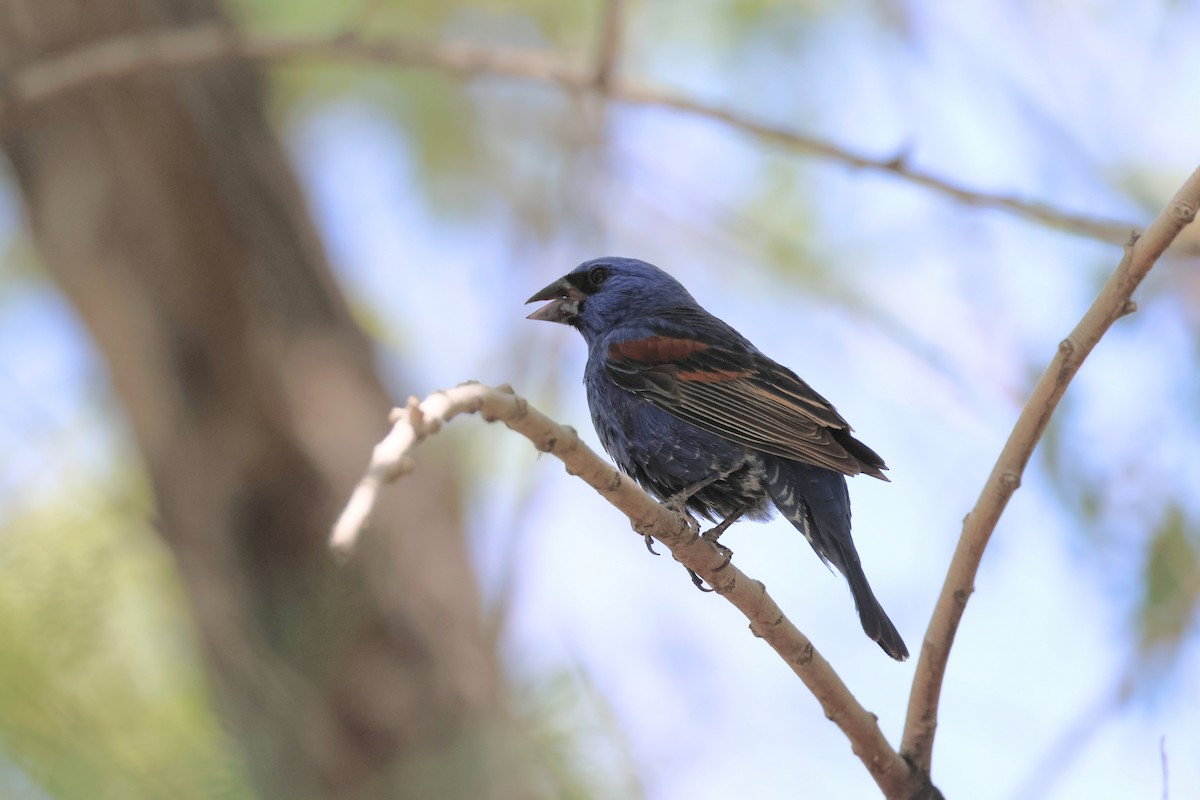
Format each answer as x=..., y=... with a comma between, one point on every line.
x=721, y=384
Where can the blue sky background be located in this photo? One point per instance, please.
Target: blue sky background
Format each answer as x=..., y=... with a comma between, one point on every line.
x=923, y=321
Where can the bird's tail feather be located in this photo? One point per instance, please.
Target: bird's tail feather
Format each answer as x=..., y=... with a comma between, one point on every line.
x=816, y=501
x=875, y=621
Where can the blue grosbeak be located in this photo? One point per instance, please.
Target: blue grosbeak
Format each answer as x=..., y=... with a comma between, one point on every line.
x=691, y=410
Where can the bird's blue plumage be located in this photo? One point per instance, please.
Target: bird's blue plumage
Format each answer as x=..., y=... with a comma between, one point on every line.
x=665, y=454
x=679, y=397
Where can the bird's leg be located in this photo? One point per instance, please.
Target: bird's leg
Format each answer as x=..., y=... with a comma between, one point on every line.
x=678, y=504
x=678, y=501
x=712, y=535
x=687, y=518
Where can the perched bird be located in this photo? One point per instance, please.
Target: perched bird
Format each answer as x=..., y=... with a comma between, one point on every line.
x=693, y=412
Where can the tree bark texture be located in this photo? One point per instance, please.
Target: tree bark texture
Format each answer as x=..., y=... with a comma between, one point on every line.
x=165, y=208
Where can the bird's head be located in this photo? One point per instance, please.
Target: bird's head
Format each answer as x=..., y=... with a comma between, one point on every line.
x=605, y=293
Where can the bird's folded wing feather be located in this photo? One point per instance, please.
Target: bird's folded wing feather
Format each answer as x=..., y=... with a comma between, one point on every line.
x=736, y=392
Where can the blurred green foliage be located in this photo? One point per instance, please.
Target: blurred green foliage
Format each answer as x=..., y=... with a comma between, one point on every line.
x=1167, y=584
x=570, y=739
x=1171, y=588
x=102, y=694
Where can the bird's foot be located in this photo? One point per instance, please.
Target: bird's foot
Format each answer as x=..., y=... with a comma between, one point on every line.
x=725, y=551
x=697, y=580
x=709, y=537
x=677, y=505
x=677, y=502
x=713, y=534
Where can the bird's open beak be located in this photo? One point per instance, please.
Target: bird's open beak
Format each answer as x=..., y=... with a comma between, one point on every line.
x=565, y=305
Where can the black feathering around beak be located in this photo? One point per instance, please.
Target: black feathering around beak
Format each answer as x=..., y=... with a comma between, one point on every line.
x=564, y=306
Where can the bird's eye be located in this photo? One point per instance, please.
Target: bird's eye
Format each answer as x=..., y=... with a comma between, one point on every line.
x=596, y=277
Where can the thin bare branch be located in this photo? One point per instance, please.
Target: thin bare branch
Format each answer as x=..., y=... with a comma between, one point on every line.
x=1112, y=304
x=124, y=56
x=415, y=422
x=1162, y=751
x=611, y=30
x=1105, y=230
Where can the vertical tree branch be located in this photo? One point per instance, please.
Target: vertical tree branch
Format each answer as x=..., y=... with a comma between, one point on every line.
x=1112, y=303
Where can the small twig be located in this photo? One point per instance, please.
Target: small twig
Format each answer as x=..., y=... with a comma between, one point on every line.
x=611, y=29
x=124, y=56
x=1162, y=752
x=389, y=460
x=1112, y=303
x=418, y=420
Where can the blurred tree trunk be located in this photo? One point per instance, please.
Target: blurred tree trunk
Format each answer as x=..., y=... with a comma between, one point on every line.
x=165, y=208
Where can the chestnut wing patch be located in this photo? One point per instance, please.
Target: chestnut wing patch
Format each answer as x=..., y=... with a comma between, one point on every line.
x=655, y=350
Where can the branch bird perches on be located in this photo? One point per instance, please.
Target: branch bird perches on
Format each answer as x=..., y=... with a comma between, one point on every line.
x=420, y=419
x=904, y=774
